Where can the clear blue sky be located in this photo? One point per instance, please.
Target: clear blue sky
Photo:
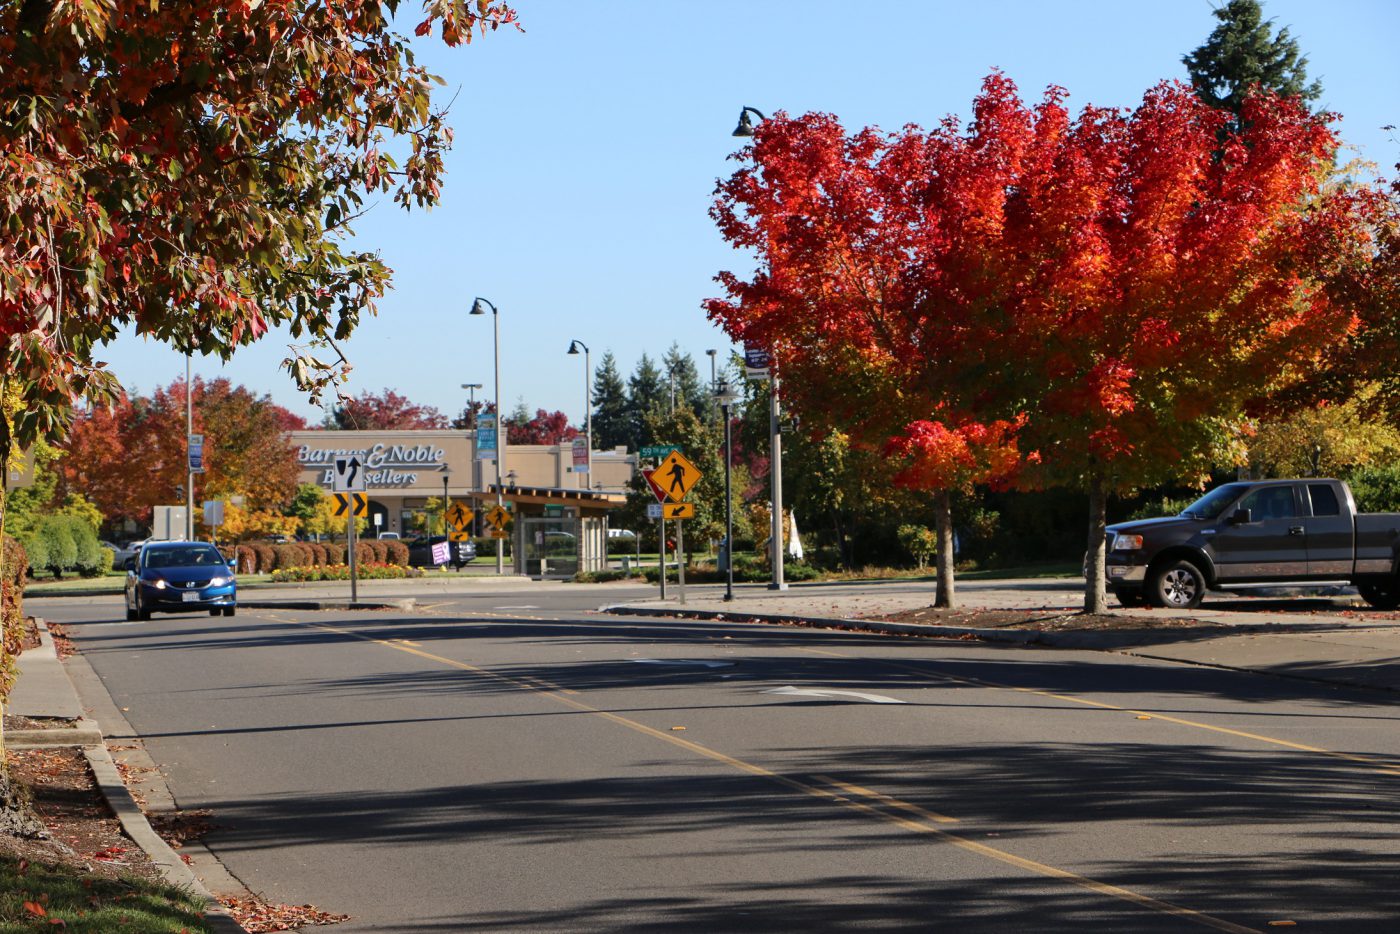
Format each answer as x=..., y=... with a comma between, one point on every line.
x=588, y=147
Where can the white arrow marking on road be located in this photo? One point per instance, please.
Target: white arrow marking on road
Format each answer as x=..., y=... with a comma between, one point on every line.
x=809, y=692
x=681, y=661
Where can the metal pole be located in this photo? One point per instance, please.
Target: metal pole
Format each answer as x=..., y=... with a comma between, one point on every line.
x=776, y=468
x=189, y=471
x=713, y=384
x=728, y=512
x=500, y=440
x=680, y=560
x=588, y=412
x=352, y=539
x=663, y=553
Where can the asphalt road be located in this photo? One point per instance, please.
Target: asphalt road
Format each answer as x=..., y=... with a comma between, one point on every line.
x=509, y=763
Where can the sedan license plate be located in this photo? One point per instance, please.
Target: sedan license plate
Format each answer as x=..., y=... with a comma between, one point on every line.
x=190, y=596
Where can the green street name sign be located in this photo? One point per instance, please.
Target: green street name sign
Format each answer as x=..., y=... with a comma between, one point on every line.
x=658, y=450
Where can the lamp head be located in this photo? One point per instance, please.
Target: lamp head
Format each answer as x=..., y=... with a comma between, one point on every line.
x=479, y=307
x=573, y=348
x=745, y=127
x=726, y=395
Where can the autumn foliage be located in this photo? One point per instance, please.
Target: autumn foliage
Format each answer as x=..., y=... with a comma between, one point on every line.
x=191, y=169
x=1107, y=291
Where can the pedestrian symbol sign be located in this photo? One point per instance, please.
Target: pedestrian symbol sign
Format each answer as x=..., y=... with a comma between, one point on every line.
x=498, y=518
x=676, y=475
x=460, y=516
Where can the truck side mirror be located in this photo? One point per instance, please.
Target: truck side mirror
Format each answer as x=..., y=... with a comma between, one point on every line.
x=1241, y=517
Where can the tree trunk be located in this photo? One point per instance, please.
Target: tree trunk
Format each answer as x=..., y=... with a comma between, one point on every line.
x=944, y=521
x=1095, y=596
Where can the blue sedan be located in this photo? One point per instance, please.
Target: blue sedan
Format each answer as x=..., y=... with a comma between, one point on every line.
x=179, y=577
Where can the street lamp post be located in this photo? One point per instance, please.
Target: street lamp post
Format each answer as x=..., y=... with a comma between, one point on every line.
x=714, y=386
x=471, y=389
x=775, y=461
x=479, y=307
x=726, y=396
x=574, y=345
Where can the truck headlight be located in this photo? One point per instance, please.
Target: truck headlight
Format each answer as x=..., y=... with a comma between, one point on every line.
x=1123, y=542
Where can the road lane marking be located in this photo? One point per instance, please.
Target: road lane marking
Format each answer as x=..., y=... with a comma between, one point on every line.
x=859, y=791
x=817, y=692
x=1377, y=765
x=849, y=800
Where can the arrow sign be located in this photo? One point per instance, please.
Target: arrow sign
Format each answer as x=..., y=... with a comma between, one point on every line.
x=348, y=476
x=679, y=510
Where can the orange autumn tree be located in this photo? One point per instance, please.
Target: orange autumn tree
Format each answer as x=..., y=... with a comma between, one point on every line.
x=190, y=170
x=1119, y=283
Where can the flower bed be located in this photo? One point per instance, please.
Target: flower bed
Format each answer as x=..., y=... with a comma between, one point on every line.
x=341, y=572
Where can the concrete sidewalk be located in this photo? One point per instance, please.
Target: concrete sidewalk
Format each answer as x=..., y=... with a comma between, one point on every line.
x=1335, y=640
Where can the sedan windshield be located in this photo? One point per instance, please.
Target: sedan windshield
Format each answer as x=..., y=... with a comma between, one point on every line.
x=1215, y=502
x=184, y=557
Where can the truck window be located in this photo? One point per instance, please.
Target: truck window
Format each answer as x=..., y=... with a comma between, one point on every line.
x=1324, y=500
x=1213, y=503
x=1270, y=502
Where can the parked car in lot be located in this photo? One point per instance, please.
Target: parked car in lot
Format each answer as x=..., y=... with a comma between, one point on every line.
x=127, y=551
x=179, y=577
x=420, y=552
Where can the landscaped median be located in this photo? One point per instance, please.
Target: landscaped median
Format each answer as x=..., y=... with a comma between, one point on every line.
x=341, y=572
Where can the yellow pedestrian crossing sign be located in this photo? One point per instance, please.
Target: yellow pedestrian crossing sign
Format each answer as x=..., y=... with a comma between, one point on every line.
x=357, y=504
x=498, y=517
x=676, y=476
x=460, y=516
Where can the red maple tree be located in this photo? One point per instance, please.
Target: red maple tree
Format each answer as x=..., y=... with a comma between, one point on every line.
x=1115, y=289
x=386, y=411
x=544, y=428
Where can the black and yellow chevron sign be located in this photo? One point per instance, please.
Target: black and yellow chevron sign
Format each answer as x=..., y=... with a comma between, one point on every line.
x=357, y=504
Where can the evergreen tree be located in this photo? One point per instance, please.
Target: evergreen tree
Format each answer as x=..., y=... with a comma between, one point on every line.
x=646, y=394
x=1242, y=53
x=610, y=410
x=690, y=392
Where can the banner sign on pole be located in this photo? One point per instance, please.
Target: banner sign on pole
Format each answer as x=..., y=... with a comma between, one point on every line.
x=196, y=450
x=487, y=448
x=755, y=363
x=580, y=455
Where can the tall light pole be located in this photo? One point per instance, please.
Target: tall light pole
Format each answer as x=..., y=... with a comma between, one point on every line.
x=471, y=389
x=574, y=345
x=478, y=309
x=775, y=461
x=189, y=463
x=726, y=396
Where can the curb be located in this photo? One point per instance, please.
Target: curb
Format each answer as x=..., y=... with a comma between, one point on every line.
x=1137, y=646
x=135, y=825
x=88, y=737
x=405, y=604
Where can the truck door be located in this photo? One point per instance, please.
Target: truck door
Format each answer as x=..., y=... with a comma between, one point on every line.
x=1273, y=544
x=1329, y=533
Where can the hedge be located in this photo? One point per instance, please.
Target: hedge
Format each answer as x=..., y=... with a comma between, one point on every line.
x=64, y=544
x=339, y=572
x=397, y=552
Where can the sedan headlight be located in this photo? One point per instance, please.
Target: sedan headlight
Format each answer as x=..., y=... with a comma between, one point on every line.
x=220, y=581
x=159, y=583
x=1123, y=542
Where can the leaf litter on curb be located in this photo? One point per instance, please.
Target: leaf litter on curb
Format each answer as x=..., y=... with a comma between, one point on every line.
x=259, y=917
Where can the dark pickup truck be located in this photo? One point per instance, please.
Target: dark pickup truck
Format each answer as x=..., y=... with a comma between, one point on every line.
x=1255, y=534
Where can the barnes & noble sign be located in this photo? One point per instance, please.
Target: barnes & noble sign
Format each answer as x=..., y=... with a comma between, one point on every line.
x=385, y=465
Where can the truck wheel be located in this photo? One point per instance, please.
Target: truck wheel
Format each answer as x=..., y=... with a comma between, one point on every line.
x=1382, y=596
x=1177, y=585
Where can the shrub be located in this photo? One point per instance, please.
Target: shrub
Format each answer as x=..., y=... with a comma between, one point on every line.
x=318, y=554
x=1377, y=489
x=397, y=553
x=364, y=554
x=57, y=535
x=267, y=558
x=486, y=545
x=920, y=541
x=287, y=556
x=380, y=550
x=90, y=559
x=335, y=553
x=339, y=572
x=37, y=550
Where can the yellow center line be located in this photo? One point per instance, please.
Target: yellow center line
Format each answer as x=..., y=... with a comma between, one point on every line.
x=853, y=792
x=1374, y=764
